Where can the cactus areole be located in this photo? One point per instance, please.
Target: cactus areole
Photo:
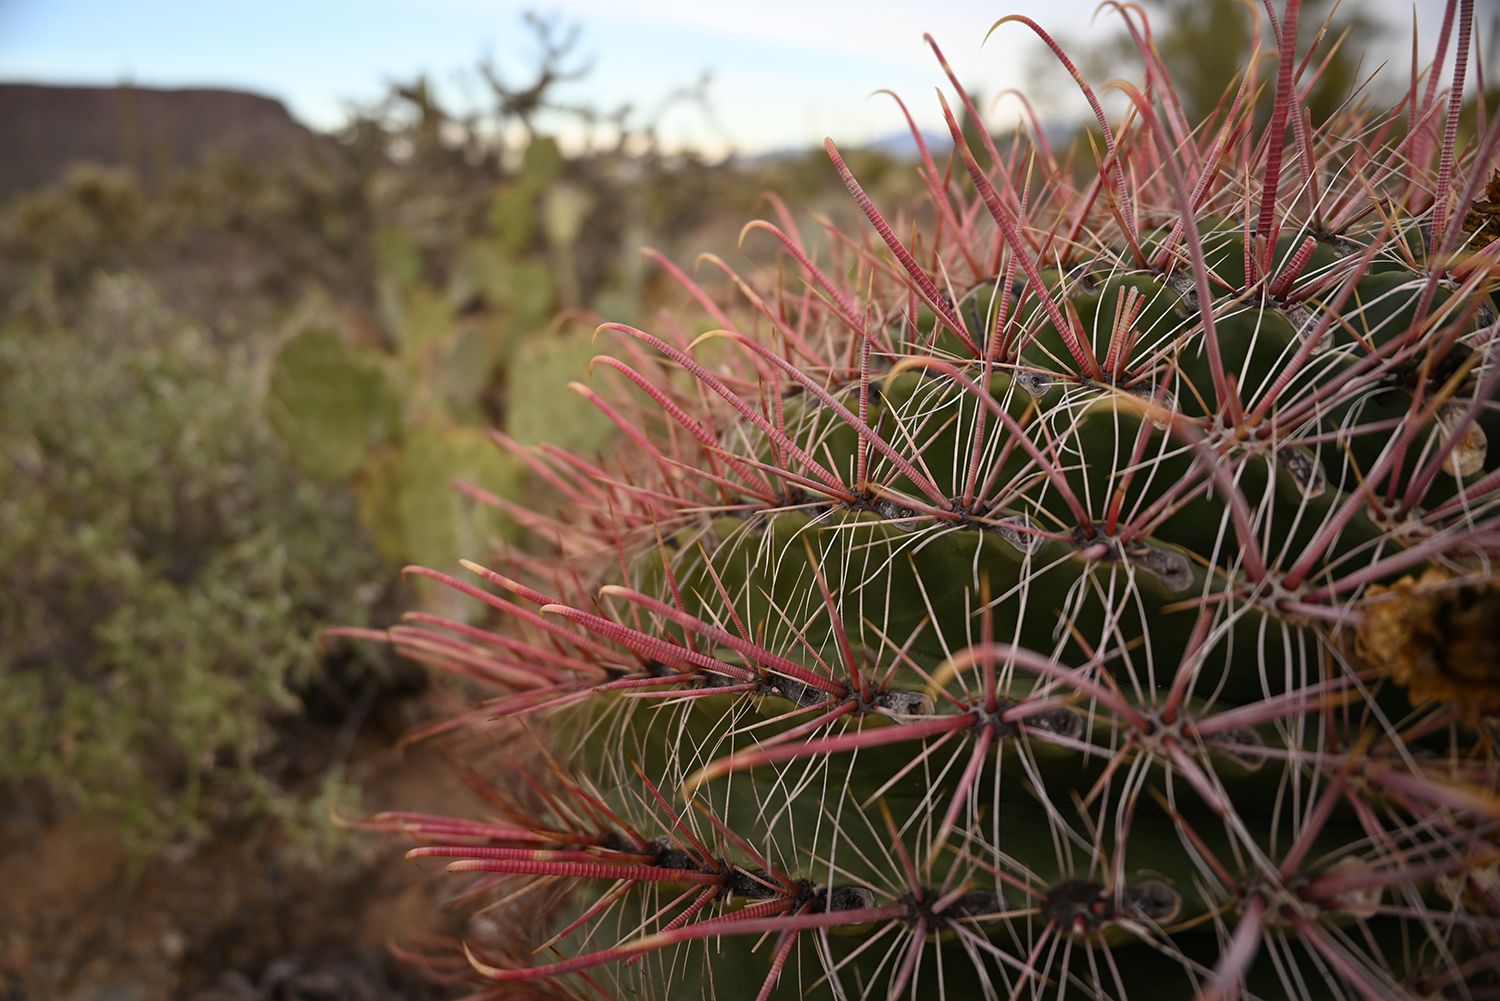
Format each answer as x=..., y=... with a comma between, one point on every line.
x=1085, y=592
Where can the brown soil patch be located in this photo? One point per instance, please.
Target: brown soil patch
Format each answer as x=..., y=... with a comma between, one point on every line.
x=234, y=918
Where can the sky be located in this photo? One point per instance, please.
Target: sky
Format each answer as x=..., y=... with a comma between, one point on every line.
x=785, y=73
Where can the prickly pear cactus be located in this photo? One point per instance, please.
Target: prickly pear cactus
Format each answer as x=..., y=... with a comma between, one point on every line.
x=1090, y=596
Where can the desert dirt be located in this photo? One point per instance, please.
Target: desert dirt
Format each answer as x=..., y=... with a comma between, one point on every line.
x=233, y=917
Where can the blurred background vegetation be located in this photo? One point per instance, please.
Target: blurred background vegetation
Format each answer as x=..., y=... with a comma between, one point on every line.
x=233, y=398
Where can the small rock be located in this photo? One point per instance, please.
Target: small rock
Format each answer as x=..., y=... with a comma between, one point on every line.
x=115, y=991
x=173, y=944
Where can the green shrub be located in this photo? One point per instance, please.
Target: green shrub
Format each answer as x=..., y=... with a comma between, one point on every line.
x=162, y=567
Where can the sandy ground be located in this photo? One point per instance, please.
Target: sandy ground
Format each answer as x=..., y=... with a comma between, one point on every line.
x=227, y=919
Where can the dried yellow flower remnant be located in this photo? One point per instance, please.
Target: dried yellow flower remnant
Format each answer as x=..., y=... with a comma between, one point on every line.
x=1467, y=457
x=1439, y=636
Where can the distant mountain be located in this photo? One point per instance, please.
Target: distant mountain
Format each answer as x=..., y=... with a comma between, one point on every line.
x=903, y=146
x=898, y=146
x=45, y=129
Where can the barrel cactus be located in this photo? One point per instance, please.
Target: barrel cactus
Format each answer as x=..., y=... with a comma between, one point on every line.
x=1089, y=594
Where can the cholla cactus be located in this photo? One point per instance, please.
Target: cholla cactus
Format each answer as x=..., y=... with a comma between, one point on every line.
x=1090, y=596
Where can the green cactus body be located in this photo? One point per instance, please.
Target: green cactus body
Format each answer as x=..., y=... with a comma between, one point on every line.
x=1026, y=641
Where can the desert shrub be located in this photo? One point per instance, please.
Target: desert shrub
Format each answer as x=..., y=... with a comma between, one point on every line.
x=163, y=568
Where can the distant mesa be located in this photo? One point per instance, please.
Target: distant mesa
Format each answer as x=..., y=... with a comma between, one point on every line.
x=44, y=130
